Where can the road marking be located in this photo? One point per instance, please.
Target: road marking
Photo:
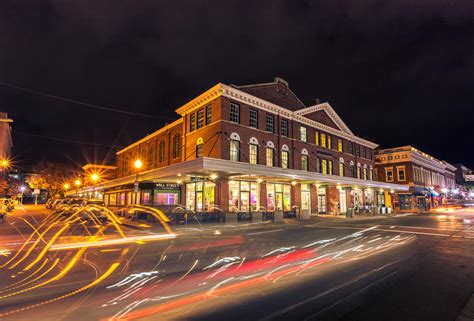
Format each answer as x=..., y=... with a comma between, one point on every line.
x=385, y=230
x=265, y=232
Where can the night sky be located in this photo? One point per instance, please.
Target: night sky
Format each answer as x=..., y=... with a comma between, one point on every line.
x=397, y=72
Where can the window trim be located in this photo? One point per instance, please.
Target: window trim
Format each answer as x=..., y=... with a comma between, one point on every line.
x=256, y=118
x=267, y=118
x=236, y=114
x=389, y=169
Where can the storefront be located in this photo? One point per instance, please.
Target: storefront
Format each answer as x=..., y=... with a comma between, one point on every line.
x=151, y=194
x=243, y=196
x=200, y=196
x=278, y=197
x=306, y=198
x=322, y=202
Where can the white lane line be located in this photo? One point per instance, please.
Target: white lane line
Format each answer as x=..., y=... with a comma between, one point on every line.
x=265, y=232
x=385, y=230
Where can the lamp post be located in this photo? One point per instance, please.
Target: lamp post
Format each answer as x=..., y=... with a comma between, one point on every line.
x=138, y=165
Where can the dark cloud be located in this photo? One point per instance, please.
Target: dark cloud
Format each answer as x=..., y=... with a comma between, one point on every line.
x=398, y=72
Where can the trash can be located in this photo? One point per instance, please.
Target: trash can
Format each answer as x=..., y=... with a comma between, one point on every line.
x=350, y=212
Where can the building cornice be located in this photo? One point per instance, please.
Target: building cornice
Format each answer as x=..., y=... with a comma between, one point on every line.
x=330, y=111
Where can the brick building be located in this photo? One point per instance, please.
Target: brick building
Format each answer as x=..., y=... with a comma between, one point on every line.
x=251, y=148
x=6, y=145
x=430, y=180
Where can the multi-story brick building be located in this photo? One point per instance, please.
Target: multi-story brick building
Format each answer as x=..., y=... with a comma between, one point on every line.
x=6, y=145
x=430, y=180
x=251, y=148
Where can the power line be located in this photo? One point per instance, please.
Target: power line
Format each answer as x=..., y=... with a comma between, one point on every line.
x=81, y=103
x=65, y=140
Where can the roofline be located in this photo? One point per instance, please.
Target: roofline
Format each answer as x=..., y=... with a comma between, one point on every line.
x=159, y=131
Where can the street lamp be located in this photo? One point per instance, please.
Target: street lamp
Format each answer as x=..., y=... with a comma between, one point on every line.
x=77, y=182
x=66, y=186
x=5, y=164
x=137, y=164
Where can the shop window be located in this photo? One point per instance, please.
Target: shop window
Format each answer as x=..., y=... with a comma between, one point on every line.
x=303, y=134
x=284, y=159
x=270, y=159
x=401, y=173
x=304, y=163
x=234, y=150
x=323, y=140
x=270, y=124
x=234, y=113
x=243, y=196
x=253, y=154
x=278, y=197
x=208, y=115
x=200, y=196
x=161, y=152
x=253, y=118
x=284, y=127
x=200, y=119
x=166, y=198
x=389, y=174
x=176, y=146
x=305, y=197
x=192, y=122
x=339, y=145
x=146, y=198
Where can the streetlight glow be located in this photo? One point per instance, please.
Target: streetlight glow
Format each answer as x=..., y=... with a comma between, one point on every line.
x=66, y=186
x=95, y=177
x=22, y=188
x=77, y=182
x=138, y=164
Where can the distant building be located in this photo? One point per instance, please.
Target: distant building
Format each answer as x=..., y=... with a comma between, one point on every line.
x=430, y=180
x=464, y=175
x=6, y=145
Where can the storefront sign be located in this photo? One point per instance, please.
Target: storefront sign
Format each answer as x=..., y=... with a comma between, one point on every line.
x=166, y=186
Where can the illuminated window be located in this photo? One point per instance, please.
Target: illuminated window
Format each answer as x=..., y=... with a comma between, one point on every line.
x=270, y=159
x=208, y=115
x=389, y=174
x=371, y=174
x=234, y=150
x=329, y=142
x=323, y=140
x=200, y=119
x=330, y=169
x=365, y=173
x=192, y=122
x=176, y=145
x=304, y=163
x=253, y=154
x=324, y=166
x=234, y=113
x=284, y=159
x=284, y=127
x=253, y=118
x=161, y=152
x=358, y=170
x=199, y=147
x=341, y=168
x=270, y=124
x=316, y=138
x=401, y=173
x=339, y=145
x=303, y=134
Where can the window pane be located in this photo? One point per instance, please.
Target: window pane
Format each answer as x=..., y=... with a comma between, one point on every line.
x=284, y=159
x=303, y=134
x=269, y=156
x=234, y=113
x=253, y=118
x=269, y=123
x=304, y=162
x=200, y=119
x=208, y=115
x=339, y=145
x=234, y=150
x=253, y=152
x=323, y=140
x=284, y=127
x=192, y=122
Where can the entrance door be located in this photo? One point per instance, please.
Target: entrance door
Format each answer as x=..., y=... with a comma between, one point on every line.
x=199, y=200
x=342, y=202
x=305, y=200
x=321, y=203
x=244, y=201
x=279, y=201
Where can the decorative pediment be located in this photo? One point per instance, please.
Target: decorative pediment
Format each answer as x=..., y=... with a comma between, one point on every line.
x=325, y=114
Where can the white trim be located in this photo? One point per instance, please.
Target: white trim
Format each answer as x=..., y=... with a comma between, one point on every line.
x=341, y=160
x=304, y=151
x=253, y=140
x=235, y=136
x=330, y=112
x=285, y=148
x=270, y=144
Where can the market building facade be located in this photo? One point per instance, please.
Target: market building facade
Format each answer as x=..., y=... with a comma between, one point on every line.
x=253, y=148
x=431, y=181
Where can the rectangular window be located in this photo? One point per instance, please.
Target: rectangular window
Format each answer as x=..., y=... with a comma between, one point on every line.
x=330, y=169
x=161, y=152
x=192, y=122
x=234, y=113
x=316, y=138
x=269, y=124
x=357, y=150
x=329, y=141
x=389, y=174
x=324, y=166
x=401, y=173
x=323, y=140
x=176, y=145
x=370, y=154
x=350, y=148
x=318, y=165
x=304, y=163
x=270, y=159
x=234, y=150
x=341, y=169
x=284, y=127
x=199, y=150
x=364, y=152
x=365, y=173
x=284, y=159
x=200, y=119
x=303, y=134
x=208, y=115
x=253, y=154
x=253, y=118
x=339, y=145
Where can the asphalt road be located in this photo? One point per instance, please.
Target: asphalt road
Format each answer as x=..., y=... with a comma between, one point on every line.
x=418, y=267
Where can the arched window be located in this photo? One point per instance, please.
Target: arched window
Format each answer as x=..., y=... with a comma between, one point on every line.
x=285, y=156
x=341, y=166
x=234, y=145
x=199, y=147
x=151, y=155
x=358, y=170
x=176, y=145
x=304, y=162
x=371, y=173
x=352, y=172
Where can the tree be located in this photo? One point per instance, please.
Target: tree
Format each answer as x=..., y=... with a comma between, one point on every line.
x=50, y=177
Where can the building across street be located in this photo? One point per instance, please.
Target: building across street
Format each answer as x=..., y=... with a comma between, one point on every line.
x=250, y=149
